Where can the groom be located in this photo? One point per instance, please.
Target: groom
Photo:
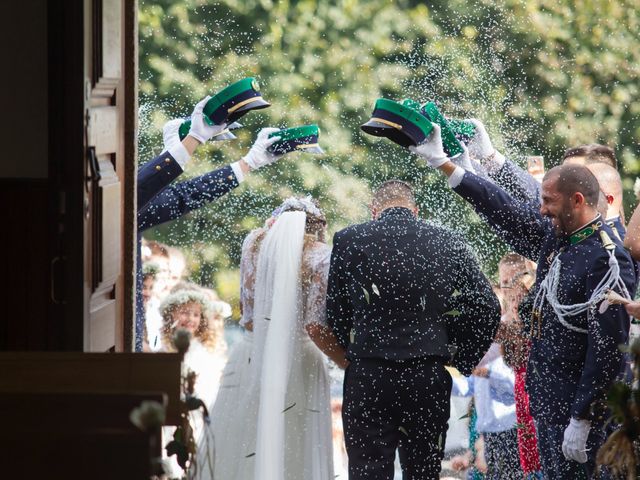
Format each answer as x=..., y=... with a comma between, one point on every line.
x=403, y=296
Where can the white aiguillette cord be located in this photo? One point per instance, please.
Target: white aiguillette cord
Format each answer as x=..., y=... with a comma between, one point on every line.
x=605, y=289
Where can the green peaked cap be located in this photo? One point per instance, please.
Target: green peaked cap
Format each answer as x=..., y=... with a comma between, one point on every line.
x=303, y=138
x=407, y=110
x=234, y=101
x=400, y=122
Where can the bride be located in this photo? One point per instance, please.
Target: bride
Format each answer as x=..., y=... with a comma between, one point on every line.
x=272, y=417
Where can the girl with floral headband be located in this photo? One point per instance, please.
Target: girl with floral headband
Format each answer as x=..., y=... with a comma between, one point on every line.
x=273, y=414
x=189, y=308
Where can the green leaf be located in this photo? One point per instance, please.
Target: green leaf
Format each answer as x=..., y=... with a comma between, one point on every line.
x=374, y=287
x=403, y=430
x=456, y=293
x=250, y=455
x=466, y=415
x=453, y=313
x=178, y=449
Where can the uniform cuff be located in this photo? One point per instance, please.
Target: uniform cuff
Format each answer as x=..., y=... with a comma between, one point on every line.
x=179, y=154
x=456, y=177
x=237, y=170
x=494, y=163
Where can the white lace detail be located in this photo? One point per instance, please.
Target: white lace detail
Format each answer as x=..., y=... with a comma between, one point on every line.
x=248, y=264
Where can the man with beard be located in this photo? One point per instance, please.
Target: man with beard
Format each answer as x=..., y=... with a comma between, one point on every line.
x=574, y=355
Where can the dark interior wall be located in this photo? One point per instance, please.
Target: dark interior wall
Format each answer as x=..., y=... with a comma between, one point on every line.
x=24, y=230
x=23, y=87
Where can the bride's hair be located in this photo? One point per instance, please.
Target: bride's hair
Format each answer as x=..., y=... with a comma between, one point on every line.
x=314, y=231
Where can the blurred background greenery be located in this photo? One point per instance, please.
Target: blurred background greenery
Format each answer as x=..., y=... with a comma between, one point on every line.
x=543, y=75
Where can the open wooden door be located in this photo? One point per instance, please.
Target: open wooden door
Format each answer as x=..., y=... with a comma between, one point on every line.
x=104, y=164
x=94, y=172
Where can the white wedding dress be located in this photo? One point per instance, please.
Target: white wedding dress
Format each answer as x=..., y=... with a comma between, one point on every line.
x=272, y=417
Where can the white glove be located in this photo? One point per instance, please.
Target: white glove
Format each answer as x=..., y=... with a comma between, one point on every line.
x=170, y=133
x=574, y=444
x=201, y=129
x=481, y=148
x=464, y=161
x=258, y=155
x=431, y=149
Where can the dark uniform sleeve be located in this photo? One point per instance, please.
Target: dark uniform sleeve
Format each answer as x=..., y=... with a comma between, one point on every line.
x=339, y=307
x=603, y=360
x=518, y=183
x=179, y=199
x=474, y=316
x=154, y=176
x=520, y=225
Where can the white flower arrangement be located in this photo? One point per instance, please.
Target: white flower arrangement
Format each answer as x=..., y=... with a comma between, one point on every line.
x=150, y=414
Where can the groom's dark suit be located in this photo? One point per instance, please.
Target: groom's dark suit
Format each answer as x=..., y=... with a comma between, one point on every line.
x=402, y=295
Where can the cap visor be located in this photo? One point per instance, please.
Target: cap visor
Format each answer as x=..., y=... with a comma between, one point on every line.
x=257, y=104
x=225, y=135
x=378, y=129
x=234, y=126
x=314, y=149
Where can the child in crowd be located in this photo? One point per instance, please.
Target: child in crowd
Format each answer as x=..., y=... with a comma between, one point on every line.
x=191, y=310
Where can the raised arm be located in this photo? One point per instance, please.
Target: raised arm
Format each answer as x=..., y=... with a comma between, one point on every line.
x=155, y=175
x=514, y=180
x=179, y=199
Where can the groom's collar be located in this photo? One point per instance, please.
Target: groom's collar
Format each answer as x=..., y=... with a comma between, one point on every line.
x=396, y=212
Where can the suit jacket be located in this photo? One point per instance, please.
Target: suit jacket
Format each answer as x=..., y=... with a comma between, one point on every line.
x=400, y=288
x=569, y=372
x=160, y=202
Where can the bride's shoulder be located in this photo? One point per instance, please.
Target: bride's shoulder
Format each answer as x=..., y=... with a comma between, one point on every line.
x=320, y=252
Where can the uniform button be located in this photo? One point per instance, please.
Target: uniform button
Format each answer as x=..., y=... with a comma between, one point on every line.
x=167, y=160
x=230, y=177
x=158, y=167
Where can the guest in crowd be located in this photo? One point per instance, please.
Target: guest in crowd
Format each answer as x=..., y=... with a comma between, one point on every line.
x=517, y=276
x=190, y=310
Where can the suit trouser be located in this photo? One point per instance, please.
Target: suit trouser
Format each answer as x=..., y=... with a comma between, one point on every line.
x=392, y=405
x=555, y=466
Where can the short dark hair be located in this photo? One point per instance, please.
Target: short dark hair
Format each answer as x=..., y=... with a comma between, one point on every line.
x=393, y=191
x=593, y=153
x=576, y=178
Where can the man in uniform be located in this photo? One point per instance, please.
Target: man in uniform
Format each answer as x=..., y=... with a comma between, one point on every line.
x=400, y=292
x=574, y=355
x=521, y=185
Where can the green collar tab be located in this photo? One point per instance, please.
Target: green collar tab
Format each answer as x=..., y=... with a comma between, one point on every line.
x=585, y=232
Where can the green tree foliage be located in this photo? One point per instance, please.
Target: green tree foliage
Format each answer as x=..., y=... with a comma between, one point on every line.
x=542, y=75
